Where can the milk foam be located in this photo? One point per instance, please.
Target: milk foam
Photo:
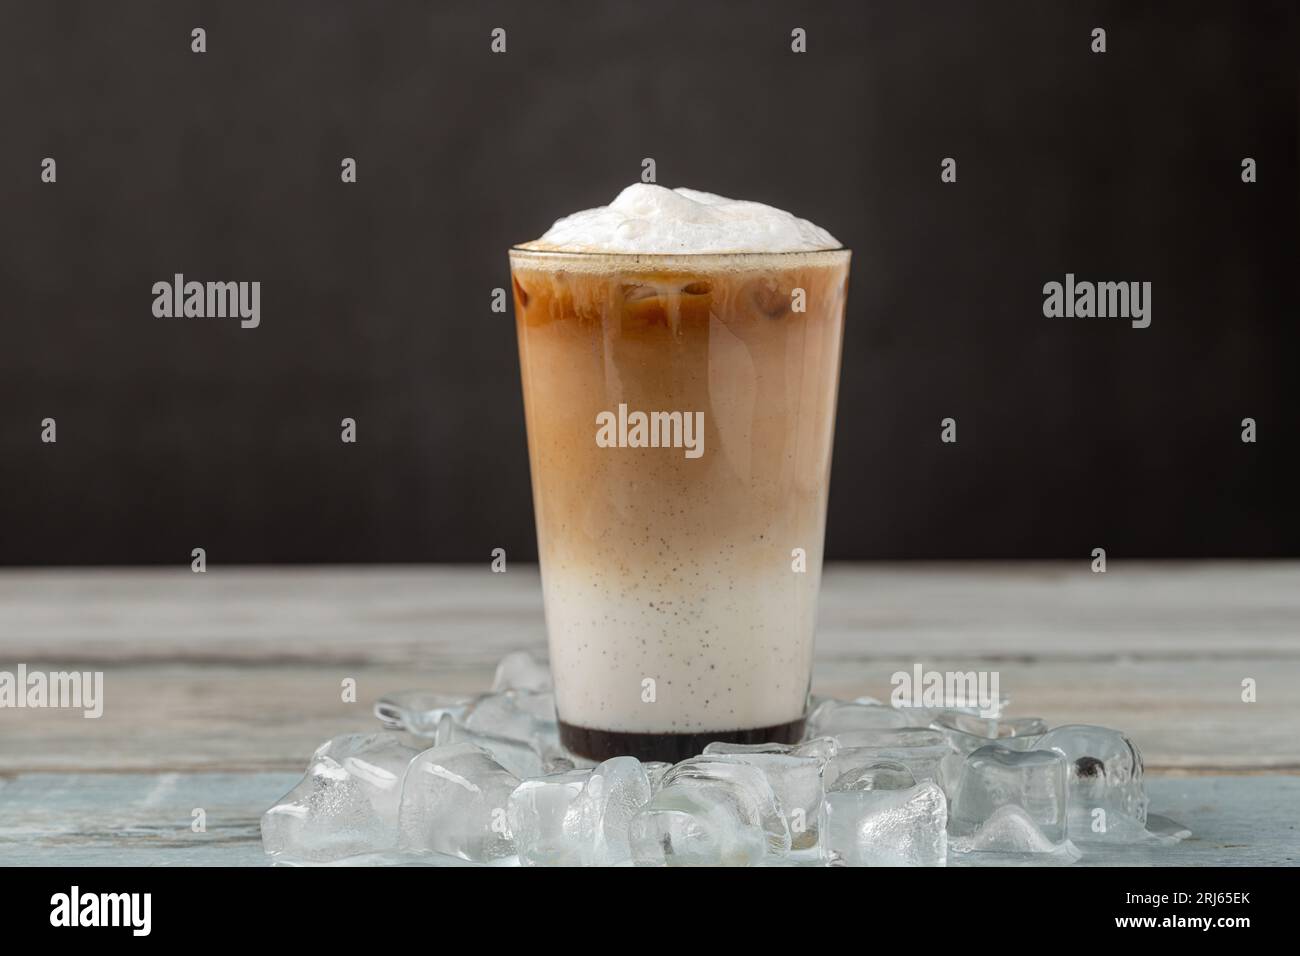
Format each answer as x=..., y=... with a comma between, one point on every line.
x=652, y=220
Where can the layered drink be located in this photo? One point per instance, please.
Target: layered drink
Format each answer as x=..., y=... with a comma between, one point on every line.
x=680, y=355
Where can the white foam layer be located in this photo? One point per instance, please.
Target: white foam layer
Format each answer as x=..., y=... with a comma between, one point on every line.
x=652, y=220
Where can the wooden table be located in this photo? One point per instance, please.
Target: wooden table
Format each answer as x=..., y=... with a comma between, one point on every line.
x=219, y=685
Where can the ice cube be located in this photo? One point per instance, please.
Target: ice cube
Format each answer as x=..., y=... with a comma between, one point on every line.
x=898, y=738
x=921, y=751
x=950, y=771
x=517, y=756
x=710, y=813
x=691, y=825
x=832, y=717
x=543, y=819
x=823, y=748
x=923, y=715
x=888, y=827
x=751, y=787
x=767, y=296
x=613, y=793
x=347, y=802
x=579, y=818
x=521, y=671
x=327, y=816
x=994, y=776
x=986, y=728
x=875, y=775
x=796, y=781
x=725, y=747
x=419, y=711
x=516, y=714
x=816, y=700
x=655, y=770
x=386, y=858
x=918, y=716
x=455, y=800
x=1164, y=831
x=1012, y=830
x=1107, y=797
x=991, y=709
x=637, y=291
x=967, y=733
x=378, y=761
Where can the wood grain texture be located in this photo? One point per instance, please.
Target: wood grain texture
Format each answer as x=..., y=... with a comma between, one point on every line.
x=218, y=686
x=241, y=669
x=1246, y=609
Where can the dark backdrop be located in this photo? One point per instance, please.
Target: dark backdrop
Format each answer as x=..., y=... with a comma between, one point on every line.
x=1073, y=434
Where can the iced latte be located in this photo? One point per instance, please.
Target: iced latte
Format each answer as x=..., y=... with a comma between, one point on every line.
x=680, y=354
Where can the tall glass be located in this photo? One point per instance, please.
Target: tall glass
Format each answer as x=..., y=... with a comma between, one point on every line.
x=680, y=416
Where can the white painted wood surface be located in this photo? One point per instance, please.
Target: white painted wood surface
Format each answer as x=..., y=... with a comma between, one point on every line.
x=217, y=686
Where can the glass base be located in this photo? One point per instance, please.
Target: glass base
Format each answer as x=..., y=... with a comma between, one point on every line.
x=671, y=748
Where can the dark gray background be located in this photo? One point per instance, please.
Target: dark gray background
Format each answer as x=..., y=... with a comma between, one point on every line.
x=1073, y=434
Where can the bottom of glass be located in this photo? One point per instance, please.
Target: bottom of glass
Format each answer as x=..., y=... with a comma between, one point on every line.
x=671, y=748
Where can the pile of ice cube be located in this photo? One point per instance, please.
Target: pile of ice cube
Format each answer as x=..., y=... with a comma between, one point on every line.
x=484, y=779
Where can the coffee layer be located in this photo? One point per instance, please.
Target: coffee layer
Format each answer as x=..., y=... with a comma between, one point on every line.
x=672, y=748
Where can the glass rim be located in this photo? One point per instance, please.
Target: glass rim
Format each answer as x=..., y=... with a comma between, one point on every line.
x=684, y=263
x=630, y=256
